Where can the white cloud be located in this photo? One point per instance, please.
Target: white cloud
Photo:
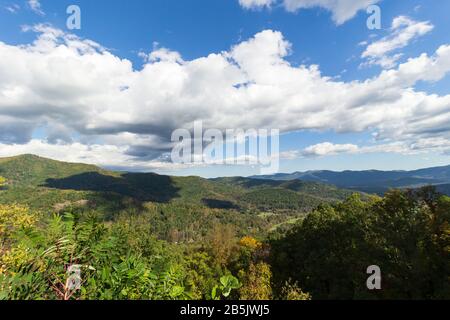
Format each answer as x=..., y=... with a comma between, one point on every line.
x=75, y=91
x=164, y=54
x=330, y=149
x=289, y=155
x=421, y=145
x=35, y=5
x=327, y=148
x=402, y=32
x=110, y=156
x=256, y=4
x=14, y=8
x=341, y=10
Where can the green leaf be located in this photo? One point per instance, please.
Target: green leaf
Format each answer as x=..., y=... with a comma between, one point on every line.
x=226, y=292
x=176, y=291
x=214, y=293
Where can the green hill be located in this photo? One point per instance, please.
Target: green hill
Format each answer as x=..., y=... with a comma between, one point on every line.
x=169, y=202
x=312, y=188
x=42, y=183
x=34, y=170
x=29, y=172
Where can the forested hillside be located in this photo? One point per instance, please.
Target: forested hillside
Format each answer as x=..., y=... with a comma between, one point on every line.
x=173, y=203
x=147, y=236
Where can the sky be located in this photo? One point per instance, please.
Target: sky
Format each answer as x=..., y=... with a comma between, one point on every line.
x=344, y=97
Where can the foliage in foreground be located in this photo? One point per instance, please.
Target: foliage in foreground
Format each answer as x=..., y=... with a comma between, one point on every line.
x=80, y=255
x=406, y=234
x=121, y=261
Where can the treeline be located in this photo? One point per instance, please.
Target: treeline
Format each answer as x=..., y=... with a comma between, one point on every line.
x=406, y=234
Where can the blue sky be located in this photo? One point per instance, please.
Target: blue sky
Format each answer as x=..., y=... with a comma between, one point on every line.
x=131, y=30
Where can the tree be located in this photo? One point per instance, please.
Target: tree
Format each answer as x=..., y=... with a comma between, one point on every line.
x=406, y=234
x=222, y=242
x=13, y=217
x=257, y=283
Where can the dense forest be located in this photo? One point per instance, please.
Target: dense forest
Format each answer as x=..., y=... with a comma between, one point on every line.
x=74, y=231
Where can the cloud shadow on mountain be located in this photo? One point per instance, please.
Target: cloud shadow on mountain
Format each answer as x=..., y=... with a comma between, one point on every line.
x=142, y=187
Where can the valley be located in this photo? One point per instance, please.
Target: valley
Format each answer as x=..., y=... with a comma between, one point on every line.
x=137, y=236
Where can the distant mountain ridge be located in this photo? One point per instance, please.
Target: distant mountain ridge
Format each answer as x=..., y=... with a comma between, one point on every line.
x=371, y=181
x=44, y=183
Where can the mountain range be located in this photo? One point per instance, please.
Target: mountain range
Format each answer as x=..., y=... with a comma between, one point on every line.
x=45, y=183
x=262, y=204
x=372, y=181
x=33, y=179
x=192, y=204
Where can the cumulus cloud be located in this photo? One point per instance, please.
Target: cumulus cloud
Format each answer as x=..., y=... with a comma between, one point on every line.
x=341, y=10
x=110, y=156
x=402, y=32
x=83, y=96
